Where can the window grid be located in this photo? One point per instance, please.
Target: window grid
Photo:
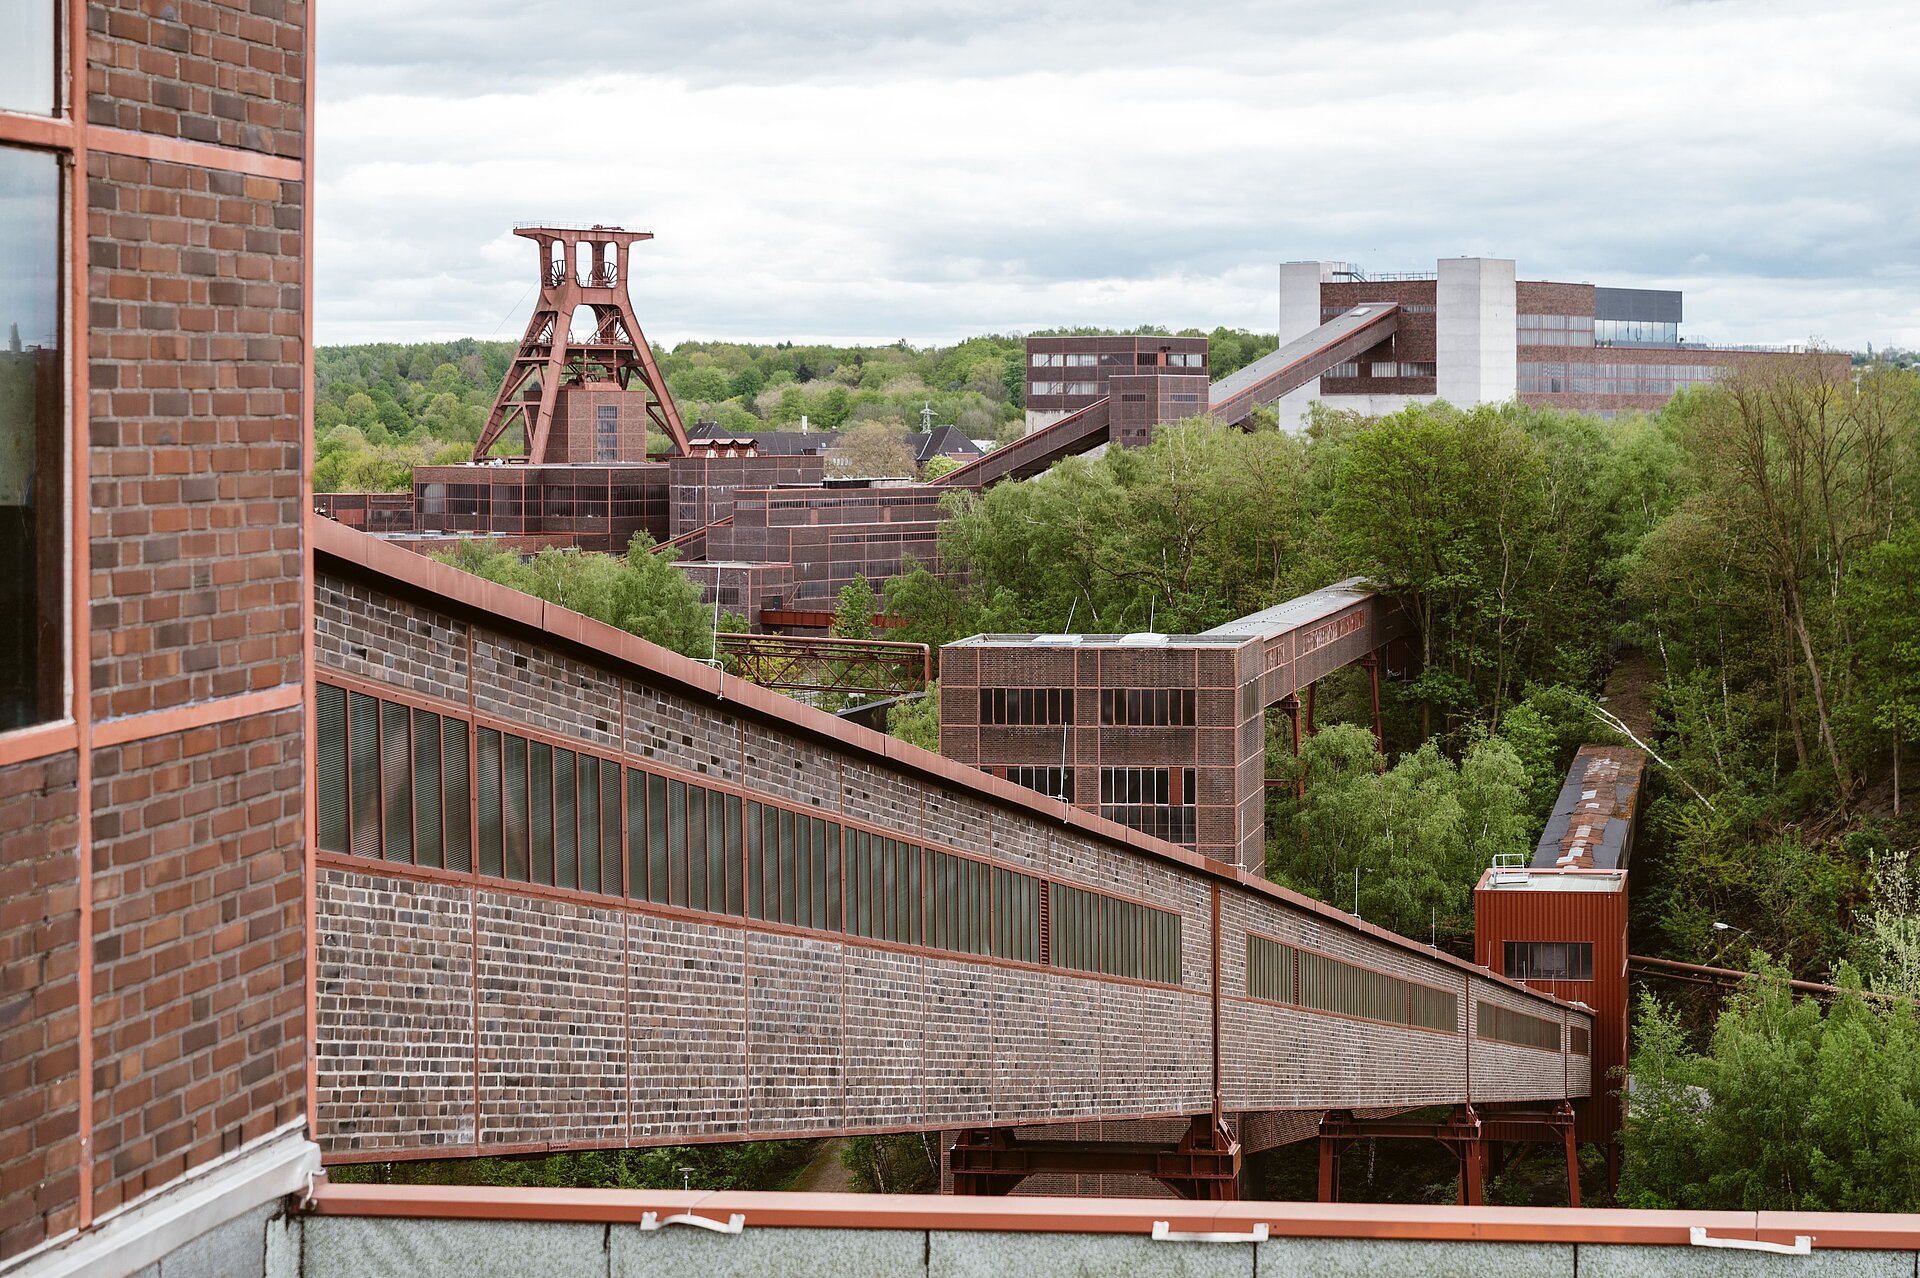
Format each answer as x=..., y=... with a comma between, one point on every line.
x=1279, y=973
x=1549, y=960
x=394, y=784
x=1147, y=707
x=1026, y=706
x=1504, y=1025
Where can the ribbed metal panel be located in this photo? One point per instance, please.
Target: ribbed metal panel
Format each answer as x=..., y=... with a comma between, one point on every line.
x=396, y=782
x=330, y=762
x=589, y=823
x=363, y=747
x=696, y=847
x=513, y=790
x=428, y=791
x=566, y=849
x=458, y=815
x=492, y=819
x=540, y=811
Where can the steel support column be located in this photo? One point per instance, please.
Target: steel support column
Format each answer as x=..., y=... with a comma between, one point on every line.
x=1205, y=1164
x=1371, y=664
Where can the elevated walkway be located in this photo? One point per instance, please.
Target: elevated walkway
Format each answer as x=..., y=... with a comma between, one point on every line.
x=1235, y=396
x=1079, y=432
x=1232, y=399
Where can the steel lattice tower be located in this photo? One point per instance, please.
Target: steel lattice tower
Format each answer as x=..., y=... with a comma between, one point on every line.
x=615, y=353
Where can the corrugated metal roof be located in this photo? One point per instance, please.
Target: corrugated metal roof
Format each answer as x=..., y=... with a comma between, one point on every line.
x=1592, y=820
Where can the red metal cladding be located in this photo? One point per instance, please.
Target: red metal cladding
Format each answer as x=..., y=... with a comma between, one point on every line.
x=580, y=268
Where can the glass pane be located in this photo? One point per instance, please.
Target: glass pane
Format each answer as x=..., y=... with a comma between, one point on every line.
x=677, y=842
x=458, y=813
x=426, y=776
x=589, y=823
x=610, y=828
x=734, y=854
x=514, y=783
x=330, y=758
x=717, y=854
x=656, y=839
x=756, y=898
x=363, y=744
x=696, y=847
x=26, y=60
x=487, y=746
x=566, y=821
x=396, y=782
x=540, y=809
x=32, y=576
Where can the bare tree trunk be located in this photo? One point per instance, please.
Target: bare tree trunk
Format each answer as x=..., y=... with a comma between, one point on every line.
x=1819, y=694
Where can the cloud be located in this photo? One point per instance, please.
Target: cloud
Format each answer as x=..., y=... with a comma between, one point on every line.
x=871, y=171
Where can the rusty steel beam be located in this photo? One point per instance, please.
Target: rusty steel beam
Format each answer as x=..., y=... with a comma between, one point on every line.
x=1204, y=1165
x=883, y=667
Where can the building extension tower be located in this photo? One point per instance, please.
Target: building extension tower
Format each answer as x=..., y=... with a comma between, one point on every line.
x=575, y=398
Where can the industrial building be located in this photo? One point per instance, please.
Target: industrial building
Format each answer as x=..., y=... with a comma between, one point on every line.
x=314, y=851
x=1471, y=332
x=1559, y=923
x=1162, y=733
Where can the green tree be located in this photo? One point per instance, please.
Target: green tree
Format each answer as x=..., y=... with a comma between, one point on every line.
x=858, y=604
x=917, y=721
x=1883, y=604
x=641, y=593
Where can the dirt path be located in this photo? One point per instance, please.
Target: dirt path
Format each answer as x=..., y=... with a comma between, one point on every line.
x=826, y=1174
x=1629, y=691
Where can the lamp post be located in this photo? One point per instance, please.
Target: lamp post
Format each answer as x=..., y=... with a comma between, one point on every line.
x=1729, y=934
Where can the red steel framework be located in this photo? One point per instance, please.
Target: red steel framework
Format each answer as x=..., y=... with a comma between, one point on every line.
x=615, y=353
x=884, y=667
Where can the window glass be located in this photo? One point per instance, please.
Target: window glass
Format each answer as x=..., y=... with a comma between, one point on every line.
x=32, y=571
x=26, y=58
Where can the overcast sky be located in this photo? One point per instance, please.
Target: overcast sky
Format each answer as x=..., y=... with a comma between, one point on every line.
x=866, y=170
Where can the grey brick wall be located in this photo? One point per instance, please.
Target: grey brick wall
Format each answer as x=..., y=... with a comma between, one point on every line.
x=607, y=1022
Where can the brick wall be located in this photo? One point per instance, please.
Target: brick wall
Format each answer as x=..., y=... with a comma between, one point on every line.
x=39, y=1002
x=728, y=1028
x=198, y=946
x=229, y=73
x=196, y=434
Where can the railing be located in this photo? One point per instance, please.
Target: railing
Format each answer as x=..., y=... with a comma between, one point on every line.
x=880, y=667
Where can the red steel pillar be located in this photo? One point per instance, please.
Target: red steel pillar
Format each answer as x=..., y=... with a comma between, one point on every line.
x=1371, y=664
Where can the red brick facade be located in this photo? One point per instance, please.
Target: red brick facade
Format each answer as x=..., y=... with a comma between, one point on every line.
x=196, y=431
x=152, y=938
x=39, y=1003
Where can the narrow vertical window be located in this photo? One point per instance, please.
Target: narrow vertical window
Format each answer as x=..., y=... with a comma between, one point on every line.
x=514, y=785
x=427, y=789
x=566, y=822
x=457, y=816
x=32, y=543
x=696, y=895
x=330, y=762
x=610, y=828
x=540, y=811
x=589, y=823
x=363, y=745
x=396, y=782
x=492, y=820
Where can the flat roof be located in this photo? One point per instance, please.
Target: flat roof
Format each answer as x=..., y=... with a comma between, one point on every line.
x=1265, y=624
